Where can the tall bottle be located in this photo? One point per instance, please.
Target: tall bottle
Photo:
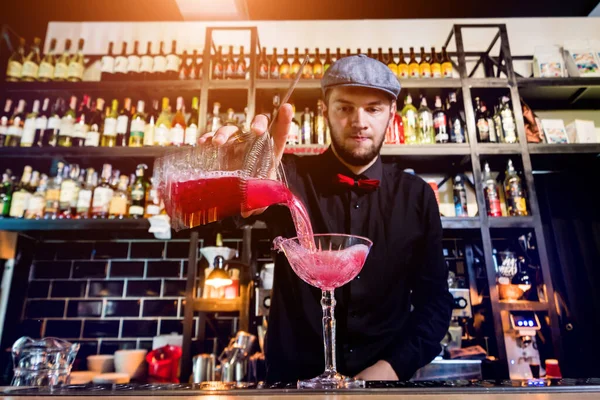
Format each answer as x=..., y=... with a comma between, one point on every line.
x=121, y=64
x=293, y=137
x=15, y=126
x=436, y=66
x=319, y=124
x=306, y=127
x=425, y=65
x=4, y=119
x=35, y=208
x=84, y=198
x=50, y=137
x=403, y=70
x=215, y=121
x=440, y=122
x=391, y=63
x=380, y=55
x=82, y=123
x=139, y=189
x=159, y=66
x=413, y=66
x=410, y=122
x=28, y=136
x=426, y=131
x=296, y=64
x=41, y=123
x=195, y=66
x=61, y=68
x=497, y=118
x=31, y=62
x=317, y=66
x=307, y=69
x=446, y=64
x=67, y=125
x=285, y=69
x=492, y=127
x=163, y=125
x=508, y=125
x=481, y=122
x=274, y=65
x=491, y=193
x=328, y=61
x=240, y=66
x=123, y=123
x=460, y=197
x=96, y=123
x=108, y=65
x=262, y=72
x=173, y=62
x=46, y=71
x=103, y=194
x=69, y=191
x=119, y=204
x=6, y=190
x=516, y=205
x=52, y=197
x=191, y=131
x=218, y=64
x=21, y=195
x=14, y=70
x=150, y=126
x=109, y=135
x=76, y=66
x=178, y=124
x=455, y=122
x=134, y=63
x=138, y=126
x=147, y=63
x=154, y=204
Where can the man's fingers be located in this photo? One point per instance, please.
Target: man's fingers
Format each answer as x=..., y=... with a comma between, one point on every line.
x=260, y=123
x=223, y=134
x=281, y=128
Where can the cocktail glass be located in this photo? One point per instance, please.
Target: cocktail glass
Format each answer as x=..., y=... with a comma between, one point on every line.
x=334, y=260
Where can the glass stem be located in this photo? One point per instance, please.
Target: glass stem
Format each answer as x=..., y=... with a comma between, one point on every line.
x=328, y=304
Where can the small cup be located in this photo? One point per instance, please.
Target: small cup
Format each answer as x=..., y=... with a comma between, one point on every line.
x=132, y=363
x=101, y=363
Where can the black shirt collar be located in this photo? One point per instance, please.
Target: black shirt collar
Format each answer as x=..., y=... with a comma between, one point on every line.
x=335, y=166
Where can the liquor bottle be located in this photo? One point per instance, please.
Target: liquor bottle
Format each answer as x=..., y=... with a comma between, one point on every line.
x=61, y=68
x=349, y=52
x=186, y=66
x=103, y=194
x=497, y=118
x=409, y=121
x=317, y=67
x=195, y=66
x=285, y=69
x=4, y=118
x=173, y=62
x=178, y=124
x=134, y=63
x=123, y=123
x=69, y=191
x=215, y=122
x=413, y=65
x=296, y=64
x=436, y=66
x=28, y=136
x=147, y=63
x=274, y=65
x=516, y=205
x=52, y=198
x=159, y=65
x=240, y=67
x=369, y=53
x=460, y=197
x=425, y=65
x=457, y=125
x=231, y=119
x=403, y=71
x=263, y=65
x=76, y=67
x=6, y=189
x=121, y=64
x=150, y=126
x=446, y=64
x=191, y=131
x=109, y=135
x=139, y=189
x=440, y=122
x=319, y=124
x=14, y=70
x=306, y=128
x=84, y=199
x=154, y=204
x=50, y=136
x=293, y=137
x=119, y=204
x=508, y=125
x=230, y=65
x=41, y=124
x=481, y=122
x=491, y=193
x=82, y=123
x=307, y=69
x=338, y=54
x=492, y=127
x=108, y=65
x=21, y=195
x=380, y=55
x=35, y=208
x=391, y=63
x=218, y=67
x=67, y=125
x=31, y=62
x=46, y=71
x=163, y=125
x=426, y=132
x=138, y=126
x=328, y=61
x=15, y=126
x=96, y=123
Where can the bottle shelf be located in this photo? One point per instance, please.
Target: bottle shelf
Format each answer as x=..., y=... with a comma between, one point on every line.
x=461, y=223
x=85, y=152
x=560, y=93
x=578, y=148
x=22, y=88
x=487, y=82
x=446, y=149
x=228, y=84
x=494, y=148
x=24, y=225
x=511, y=222
x=523, y=305
x=435, y=83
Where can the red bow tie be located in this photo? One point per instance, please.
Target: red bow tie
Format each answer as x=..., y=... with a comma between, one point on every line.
x=366, y=184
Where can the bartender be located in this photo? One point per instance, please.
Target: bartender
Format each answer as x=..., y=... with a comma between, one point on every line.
x=393, y=315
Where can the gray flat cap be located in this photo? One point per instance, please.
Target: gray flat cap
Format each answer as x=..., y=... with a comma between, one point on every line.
x=361, y=71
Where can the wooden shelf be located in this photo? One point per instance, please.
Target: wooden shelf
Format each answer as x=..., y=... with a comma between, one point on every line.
x=578, y=148
x=284, y=84
x=102, y=86
x=218, y=305
x=560, y=93
x=511, y=222
x=461, y=223
x=523, y=305
x=85, y=152
x=24, y=225
x=448, y=149
x=494, y=148
x=240, y=84
x=487, y=82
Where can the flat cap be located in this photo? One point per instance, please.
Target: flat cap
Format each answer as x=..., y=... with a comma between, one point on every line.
x=361, y=71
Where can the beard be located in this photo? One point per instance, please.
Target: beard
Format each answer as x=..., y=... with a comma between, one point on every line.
x=357, y=157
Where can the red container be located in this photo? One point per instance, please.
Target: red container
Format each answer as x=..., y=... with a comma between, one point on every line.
x=163, y=364
x=553, y=369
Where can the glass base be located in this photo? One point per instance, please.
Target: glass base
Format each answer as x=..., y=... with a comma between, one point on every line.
x=331, y=380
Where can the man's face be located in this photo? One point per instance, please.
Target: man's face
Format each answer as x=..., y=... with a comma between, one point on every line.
x=358, y=119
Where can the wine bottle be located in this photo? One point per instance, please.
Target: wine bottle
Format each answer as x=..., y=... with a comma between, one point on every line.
x=508, y=121
x=53, y=190
x=139, y=189
x=274, y=65
x=285, y=68
x=198, y=66
x=481, y=122
x=67, y=125
x=108, y=65
x=163, y=125
x=69, y=190
x=457, y=125
x=317, y=66
x=41, y=123
x=403, y=70
x=410, y=121
x=82, y=123
x=328, y=61
x=296, y=63
x=51, y=133
x=413, y=65
x=46, y=71
x=193, y=75
x=138, y=126
x=426, y=132
x=133, y=63
x=425, y=65
x=6, y=189
x=96, y=125
x=61, y=68
x=241, y=67
x=391, y=63
x=4, y=118
x=218, y=69
x=103, y=193
x=440, y=122
x=109, y=135
x=147, y=63
x=436, y=67
x=178, y=124
x=230, y=65
x=173, y=62
x=150, y=125
x=380, y=55
x=191, y=131
x=307, y=70
x=84, y=199
x=28, y=136
x=263, y=65
x=185, y=68
x=14, y=69
x=15, y=126
x=159, y=68
x=21, y=195
x=31, y=62
x=121, y=64
x=76, y=66
x=446, y=64
x=123, y=123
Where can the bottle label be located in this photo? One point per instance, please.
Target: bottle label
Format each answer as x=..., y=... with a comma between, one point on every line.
x=425, y=71
x=102, y=198
x=436, y=70
x=84, y=200
x=137, y=127
x=28, y=132
x=263, y=71
x=61, y=70
x=393, y=68
x=149, y=135
x=457, y=130
x=403, y=71
x=146, y=63
x=508, y=125
x=121, y=64
x=230, y=70
x=76, y=70
x=118, y=206
x=67, y=191
x=66, y=126
x=173, y=63
x=160, y=64
x=20, y=201
x=54, y=122
x=136, y=210
x=191, y=135
x=41, y=122
x=35, y=209
x=240, y=71
x=293, y=134
x=177, y=134
x=492, y=131
x=30, y=69
x=133, y=64
x=217, y=70
x=447, y=70
x=440, y=125
x=93, y=138
x=492, y=201
x=52, y=197
x=16, y=129
x=152, y=209
x=274, y=72
x=413, y=70
x=484, y=129
x=137, y=194
x=161, y=136
x=460, y=203
x=80, y=131
x=14, y=70
x=122, y=123
x=110, y=127
x=108, y=64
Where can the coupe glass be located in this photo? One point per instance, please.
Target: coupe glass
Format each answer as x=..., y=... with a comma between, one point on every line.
x=334, y=260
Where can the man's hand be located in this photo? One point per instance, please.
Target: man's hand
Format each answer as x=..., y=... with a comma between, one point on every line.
x=380, y=371
x=259, y=126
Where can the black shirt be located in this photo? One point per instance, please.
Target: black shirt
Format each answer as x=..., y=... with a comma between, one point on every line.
x=405, y=267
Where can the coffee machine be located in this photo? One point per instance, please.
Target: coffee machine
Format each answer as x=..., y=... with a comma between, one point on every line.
x=520, y=329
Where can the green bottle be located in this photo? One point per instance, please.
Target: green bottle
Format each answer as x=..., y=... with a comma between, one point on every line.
x=6, y=189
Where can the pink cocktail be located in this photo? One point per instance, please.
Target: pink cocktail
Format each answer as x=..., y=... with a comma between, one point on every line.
x=327, y=261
